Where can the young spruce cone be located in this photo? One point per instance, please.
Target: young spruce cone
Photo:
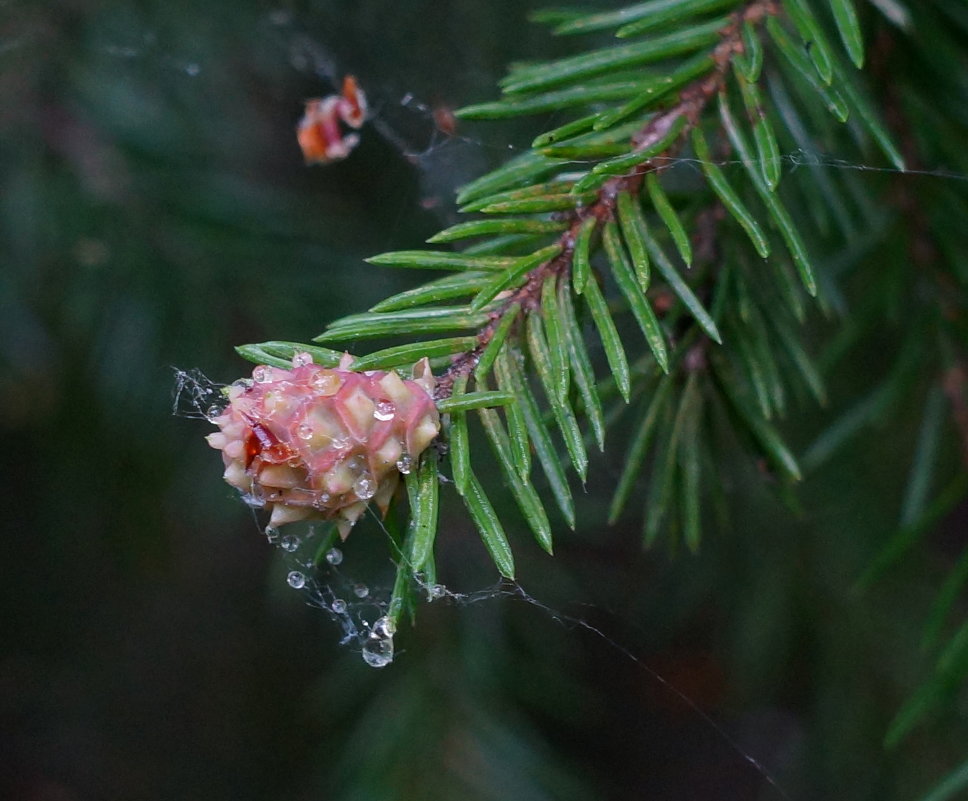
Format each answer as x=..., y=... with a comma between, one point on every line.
x=320, y=443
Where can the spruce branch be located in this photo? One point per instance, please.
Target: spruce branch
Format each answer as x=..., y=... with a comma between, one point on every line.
x=587, y=229
x=650, y=264
x=652, y=143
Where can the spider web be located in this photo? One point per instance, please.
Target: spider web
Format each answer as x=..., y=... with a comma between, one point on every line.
x=354, y=598
x=318, y=568
x=423, y=130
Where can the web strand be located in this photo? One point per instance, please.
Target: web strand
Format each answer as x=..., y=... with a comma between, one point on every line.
x=514, y=591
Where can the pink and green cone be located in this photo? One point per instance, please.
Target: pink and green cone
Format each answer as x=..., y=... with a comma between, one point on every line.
x=316, y=443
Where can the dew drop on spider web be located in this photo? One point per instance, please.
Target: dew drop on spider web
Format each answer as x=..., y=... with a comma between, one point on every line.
x=361, y=591
x=384, y=627
x=334, y=556
x=296, y=580
x=338, y=606
x=378, y=651
x=289, y=542
x=253, y=500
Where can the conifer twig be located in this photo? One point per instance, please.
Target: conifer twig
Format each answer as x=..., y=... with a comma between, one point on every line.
x=692, y=100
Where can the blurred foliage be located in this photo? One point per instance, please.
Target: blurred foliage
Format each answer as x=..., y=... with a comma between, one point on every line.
x=155, y=212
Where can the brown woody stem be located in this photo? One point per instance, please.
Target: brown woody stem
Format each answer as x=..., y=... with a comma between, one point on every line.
x=689, y=105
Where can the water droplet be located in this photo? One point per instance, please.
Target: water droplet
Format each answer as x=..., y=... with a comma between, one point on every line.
x=296, y=580
x=289, y=542
x=272, y=534
x=435, y=591
x=326, y=383
x=262, y=374
x=404, y=463
x=215, y=411
x=322, y=500
x=378, y=651
x=339, y=606
x=364, y=487
x=301, y=360
x=255, y=498
x=279, y=453
x=192, y=69
x=361, y=591
x=384, y=627
x=334, y=556
x=340, y=443
x=253, y=501
x=305, y=431
x=384, y=410
x=245, y=383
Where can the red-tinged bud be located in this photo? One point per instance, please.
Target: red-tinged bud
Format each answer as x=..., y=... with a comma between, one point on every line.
x=353, y=109
x=319, y=133
x=318, y=443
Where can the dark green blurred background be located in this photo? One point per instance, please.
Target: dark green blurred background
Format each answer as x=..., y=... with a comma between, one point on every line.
x=155, y=213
